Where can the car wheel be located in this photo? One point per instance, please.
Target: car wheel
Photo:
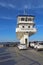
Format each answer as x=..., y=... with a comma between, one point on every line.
x=36, y=49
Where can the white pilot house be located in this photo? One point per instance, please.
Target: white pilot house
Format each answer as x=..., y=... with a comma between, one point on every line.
x=25, y=28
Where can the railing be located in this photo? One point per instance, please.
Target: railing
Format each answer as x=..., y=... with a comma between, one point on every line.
x=25, y=22
x=26, y=29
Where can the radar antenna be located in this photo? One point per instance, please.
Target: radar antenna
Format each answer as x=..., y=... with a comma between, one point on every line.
x=25, y=9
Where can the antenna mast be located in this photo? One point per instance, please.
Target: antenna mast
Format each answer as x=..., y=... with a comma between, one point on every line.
x=25, y=9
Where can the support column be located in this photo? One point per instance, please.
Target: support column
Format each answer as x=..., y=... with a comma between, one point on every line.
x=22, y=40
x=26, y=40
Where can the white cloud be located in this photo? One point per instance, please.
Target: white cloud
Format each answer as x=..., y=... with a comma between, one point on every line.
x=27, y=6
x=40, y=25
x=32, y=7
x=39, y=6
x=11, y=5
x=8, y=18
x=2, y=4
x=7, y=5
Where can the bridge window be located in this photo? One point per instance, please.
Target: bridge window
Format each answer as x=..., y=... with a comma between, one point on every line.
x=22, y=19
x=29, y=19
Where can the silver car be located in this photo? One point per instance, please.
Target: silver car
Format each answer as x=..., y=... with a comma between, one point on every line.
x=38, y=46
x=32, y=44
x=22, y=46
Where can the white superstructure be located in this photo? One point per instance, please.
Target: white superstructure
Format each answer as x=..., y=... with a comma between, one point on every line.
x=25, y=28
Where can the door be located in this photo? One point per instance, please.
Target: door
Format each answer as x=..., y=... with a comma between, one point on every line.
x=26, y=41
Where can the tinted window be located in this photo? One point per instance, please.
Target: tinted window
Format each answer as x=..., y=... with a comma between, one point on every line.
x=29, y=19
x=22, y=19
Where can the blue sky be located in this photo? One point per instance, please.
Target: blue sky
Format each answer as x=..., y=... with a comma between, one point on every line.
x=9, y=9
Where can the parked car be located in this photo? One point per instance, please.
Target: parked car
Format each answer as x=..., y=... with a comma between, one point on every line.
x=32, y=44
x=22, y=46
x=38, y=46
